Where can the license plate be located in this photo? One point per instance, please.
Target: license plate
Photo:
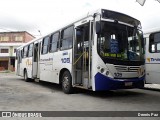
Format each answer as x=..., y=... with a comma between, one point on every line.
x=128, y=83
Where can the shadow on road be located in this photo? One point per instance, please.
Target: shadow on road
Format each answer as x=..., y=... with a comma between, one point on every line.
x=114, y=94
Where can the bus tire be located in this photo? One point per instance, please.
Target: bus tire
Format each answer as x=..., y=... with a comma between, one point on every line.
x=67, y=82
x=26, y=76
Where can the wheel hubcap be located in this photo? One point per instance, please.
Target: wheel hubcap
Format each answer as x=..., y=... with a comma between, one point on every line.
x=65, y=82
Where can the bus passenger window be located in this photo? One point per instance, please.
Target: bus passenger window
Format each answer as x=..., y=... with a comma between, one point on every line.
x=25, y=51
x=154, y=43
x=22, y=55
x=54, y=42
x=30, y=52
x=158, y=47
x=67, y=38
x=45, y=45
x=152, y=48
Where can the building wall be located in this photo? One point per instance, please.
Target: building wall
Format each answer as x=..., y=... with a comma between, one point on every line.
x=10, y=41
x=27, y=37
x=11, y=37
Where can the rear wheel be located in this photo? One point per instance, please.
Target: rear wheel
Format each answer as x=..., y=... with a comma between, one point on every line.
x=67, y=82
x=26, y=76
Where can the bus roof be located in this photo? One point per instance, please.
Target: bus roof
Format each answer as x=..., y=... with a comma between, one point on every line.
x=109, y=14
x=153, y=30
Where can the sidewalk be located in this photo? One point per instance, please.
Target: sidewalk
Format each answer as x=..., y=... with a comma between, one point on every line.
x=7, y=71
x=152, y=86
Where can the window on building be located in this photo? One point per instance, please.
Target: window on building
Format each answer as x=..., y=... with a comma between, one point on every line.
x=4, y=38
x=13, y=62
x=154, y=43
x=25, y=51
x=18, y=38
x=15, y=50
x=30, y=50
x=45, y=45
x=4, y=51
x=54, y=42
x=67, y=38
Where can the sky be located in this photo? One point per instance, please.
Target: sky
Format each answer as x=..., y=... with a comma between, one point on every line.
x=40, y=17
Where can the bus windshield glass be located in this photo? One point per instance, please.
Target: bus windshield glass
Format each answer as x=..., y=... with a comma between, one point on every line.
x=120, y=42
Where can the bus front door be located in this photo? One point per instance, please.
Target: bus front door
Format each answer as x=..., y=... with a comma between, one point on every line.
x=82, y=56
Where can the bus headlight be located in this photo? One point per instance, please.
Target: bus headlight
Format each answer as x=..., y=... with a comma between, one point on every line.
x=141, y=71
x=102, y=70
x=98, y=67
x=107, y=73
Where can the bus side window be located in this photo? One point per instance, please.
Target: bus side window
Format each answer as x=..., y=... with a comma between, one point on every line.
x=25, y=51
x=17, y=54
x=54, y=42
x=154, y=43
x=30, y=50
x=153, y=48
x=66, y=38
x=158, y=47
x=45, y=44
x=22, y=55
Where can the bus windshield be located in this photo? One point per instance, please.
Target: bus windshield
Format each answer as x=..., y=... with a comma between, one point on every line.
x=120, y=42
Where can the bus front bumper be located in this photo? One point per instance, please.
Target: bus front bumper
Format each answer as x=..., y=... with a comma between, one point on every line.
x=106, y=83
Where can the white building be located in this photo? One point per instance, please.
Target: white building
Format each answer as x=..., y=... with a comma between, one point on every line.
x=9, y=41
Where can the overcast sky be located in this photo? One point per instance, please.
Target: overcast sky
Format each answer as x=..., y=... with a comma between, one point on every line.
x=49, y=15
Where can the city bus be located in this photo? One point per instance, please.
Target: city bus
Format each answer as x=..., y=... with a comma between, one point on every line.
x=152, y=61
x=104, y=50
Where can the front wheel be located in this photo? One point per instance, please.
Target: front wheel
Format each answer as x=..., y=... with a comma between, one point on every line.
x=67, y=82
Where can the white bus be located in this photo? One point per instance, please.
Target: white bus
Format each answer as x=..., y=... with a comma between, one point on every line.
x=102, y=51
x=152, y=40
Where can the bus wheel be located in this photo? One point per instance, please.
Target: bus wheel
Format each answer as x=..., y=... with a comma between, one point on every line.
x=67, y=82
x=26, y=76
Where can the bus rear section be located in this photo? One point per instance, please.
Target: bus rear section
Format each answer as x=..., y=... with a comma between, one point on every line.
x=152, y=61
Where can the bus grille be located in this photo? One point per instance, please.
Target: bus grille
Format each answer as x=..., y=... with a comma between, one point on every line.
x=121, y=68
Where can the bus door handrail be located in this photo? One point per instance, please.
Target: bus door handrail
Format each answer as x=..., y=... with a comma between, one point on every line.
x=79, y=58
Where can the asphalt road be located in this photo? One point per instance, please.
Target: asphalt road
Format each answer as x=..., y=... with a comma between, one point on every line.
x=18, y=95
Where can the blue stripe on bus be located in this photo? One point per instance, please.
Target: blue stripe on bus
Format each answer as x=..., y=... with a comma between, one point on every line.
x=105, y=83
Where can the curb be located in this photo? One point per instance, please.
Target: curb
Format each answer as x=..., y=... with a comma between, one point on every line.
x=155, y=87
